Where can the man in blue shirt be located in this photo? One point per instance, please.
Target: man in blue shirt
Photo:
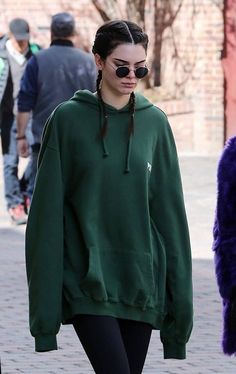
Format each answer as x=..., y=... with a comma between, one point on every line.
x=51, y=77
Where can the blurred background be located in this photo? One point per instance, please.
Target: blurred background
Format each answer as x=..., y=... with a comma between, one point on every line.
x=191, y=56
x=192, y=62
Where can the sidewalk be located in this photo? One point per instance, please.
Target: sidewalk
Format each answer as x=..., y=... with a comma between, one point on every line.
x=203, y=351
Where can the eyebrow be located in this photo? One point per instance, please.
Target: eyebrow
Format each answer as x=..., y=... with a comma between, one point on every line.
x=127, y=62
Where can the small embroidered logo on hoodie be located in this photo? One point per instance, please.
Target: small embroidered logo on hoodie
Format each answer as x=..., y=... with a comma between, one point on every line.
x=149, y=167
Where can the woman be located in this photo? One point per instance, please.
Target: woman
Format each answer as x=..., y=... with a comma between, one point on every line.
x=225, y=243
x=107, y=238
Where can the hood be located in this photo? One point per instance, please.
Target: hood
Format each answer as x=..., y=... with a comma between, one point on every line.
x=90, y=99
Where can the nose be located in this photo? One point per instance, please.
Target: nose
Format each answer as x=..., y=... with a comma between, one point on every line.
x=131, y=73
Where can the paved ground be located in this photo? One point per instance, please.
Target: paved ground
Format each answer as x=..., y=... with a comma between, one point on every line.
x=204, y=354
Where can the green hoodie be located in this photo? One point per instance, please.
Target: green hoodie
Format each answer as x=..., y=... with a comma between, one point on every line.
x=107, y=231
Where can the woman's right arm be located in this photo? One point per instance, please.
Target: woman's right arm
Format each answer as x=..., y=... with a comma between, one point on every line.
x=44, y=244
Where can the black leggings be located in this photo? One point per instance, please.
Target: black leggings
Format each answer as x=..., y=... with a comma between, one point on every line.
x=113, y=345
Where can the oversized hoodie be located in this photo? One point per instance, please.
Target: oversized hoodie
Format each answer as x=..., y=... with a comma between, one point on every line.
x=107, y=231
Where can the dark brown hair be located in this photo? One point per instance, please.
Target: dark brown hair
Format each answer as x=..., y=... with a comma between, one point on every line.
x=107, y=38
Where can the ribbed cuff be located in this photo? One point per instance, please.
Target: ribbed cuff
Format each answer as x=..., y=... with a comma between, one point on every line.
x=174, y=350
x=44, y=343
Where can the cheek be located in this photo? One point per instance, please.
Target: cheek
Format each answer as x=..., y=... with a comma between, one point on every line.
x=111, y=77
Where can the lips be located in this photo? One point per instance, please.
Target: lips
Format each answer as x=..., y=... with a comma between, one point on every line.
x=129, y=85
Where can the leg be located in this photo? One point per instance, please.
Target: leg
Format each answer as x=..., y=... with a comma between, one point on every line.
x=136, y=337
x=103, y=344
x=10, y=170
x=11, y=183
x=14, y=198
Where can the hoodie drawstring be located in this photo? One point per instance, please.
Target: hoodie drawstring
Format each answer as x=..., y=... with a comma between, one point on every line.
x=104, y=128
x=129, y=145
x=128, y=153
x=105, y=150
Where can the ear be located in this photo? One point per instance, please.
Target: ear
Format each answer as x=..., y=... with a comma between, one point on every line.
x=99, y=61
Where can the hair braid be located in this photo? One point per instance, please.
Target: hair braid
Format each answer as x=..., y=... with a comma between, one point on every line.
x=132, y=109
x=105, y=117
x=98, y=81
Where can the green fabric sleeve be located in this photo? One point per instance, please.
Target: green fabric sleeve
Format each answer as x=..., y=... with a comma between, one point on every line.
x=44, y=245
x=45, y=343
x=168, y=213
x=174, y=350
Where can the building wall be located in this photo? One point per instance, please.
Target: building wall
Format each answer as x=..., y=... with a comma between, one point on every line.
x=195, y=77
x=229, y=63
x=192, y=89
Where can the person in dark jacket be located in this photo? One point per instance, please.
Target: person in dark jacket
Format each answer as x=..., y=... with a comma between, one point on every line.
x=107, y=241
x=224, y=244
x=15, y=51
x=51, y=77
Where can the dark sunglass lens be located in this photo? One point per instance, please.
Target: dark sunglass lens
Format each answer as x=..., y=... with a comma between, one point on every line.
x=141, y=72
x=122, y=71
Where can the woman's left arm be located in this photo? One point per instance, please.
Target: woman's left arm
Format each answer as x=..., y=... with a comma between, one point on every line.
x=168, y=213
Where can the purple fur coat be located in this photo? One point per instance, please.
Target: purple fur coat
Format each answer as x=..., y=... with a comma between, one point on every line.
x=225, y=239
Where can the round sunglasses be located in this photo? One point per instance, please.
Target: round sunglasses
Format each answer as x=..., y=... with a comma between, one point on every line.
x=123, y=71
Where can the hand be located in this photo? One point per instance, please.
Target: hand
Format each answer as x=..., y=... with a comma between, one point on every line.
x=23, y=148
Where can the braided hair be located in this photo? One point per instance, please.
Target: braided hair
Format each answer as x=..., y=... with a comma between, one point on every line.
x=107, y=38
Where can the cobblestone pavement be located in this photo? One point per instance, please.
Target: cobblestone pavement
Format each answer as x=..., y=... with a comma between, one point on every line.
x=203, y=351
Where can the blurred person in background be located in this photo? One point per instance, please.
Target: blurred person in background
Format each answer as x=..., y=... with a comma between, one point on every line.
x=51, y=77
x=15, y=51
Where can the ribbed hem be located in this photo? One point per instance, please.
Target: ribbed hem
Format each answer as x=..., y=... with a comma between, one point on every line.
x=113, y=309
x=44, y=343
x=174, y=350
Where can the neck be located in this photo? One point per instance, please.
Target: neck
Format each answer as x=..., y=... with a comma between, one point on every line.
x=67, y=38
x=111, y=98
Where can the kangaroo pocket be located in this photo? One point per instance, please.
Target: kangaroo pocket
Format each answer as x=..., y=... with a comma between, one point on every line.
x=119, y=276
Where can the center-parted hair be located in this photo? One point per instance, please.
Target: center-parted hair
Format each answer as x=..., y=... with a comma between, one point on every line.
x=109, y=36
x=113, y=33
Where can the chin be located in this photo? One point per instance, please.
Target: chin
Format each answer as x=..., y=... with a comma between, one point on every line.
x=127, y=91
